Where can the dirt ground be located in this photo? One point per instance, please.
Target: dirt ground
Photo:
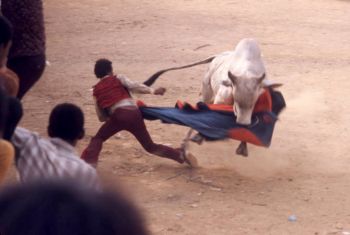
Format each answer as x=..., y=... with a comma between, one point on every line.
x=304, y=173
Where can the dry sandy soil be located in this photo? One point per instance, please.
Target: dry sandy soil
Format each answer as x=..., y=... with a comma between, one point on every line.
x=304, y=173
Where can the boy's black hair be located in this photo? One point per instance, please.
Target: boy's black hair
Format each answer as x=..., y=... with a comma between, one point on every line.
x=103, y=67
x=6, y=31
x=57, y=208
x=66, y=122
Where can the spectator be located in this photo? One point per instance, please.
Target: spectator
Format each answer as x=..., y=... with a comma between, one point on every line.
x=66, y=209
x=6, y=149
x=8, y=79
x=27, y=54
x=8, y=83
x=55, y=158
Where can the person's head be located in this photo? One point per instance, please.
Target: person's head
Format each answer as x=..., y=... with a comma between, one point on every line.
x=103, y=67
x=66, y=122
x=56, y=208
x=5, y=39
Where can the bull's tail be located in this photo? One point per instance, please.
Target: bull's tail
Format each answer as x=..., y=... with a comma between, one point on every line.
x=155, y=76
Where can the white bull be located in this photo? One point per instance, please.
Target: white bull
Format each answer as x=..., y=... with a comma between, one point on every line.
x=232, y=75
x=233, y=78
x=236, y=76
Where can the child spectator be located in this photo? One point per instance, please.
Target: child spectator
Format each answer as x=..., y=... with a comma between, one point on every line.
x=55, y=157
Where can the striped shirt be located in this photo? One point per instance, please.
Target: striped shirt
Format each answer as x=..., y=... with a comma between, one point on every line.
x=50, y=159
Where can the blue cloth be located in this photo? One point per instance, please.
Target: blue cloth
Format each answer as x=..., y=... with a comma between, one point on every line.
x=214, y=125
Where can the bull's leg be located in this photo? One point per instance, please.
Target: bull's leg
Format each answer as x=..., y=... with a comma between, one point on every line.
x=198, y=139
x=206, y=97
x=242, y=149
x=185, y=141
x=206, y=91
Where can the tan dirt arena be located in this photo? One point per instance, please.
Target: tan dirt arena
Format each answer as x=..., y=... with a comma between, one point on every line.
x=305, y=172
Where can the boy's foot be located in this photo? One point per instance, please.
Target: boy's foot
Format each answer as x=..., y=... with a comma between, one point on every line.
x=191, y=160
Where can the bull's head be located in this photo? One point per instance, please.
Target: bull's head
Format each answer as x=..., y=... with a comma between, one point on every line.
x=246, y=92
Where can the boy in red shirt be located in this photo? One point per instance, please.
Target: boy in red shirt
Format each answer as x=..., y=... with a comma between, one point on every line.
x=118, y=110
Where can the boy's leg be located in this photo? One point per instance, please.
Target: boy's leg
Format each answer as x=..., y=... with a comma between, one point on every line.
x=108, y=129
x=140, y=132
x=130, y=119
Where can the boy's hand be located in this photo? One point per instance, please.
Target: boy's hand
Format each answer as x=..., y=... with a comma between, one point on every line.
x=159, y=91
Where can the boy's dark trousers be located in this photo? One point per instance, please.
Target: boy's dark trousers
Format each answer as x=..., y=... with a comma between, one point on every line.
x=127, y=118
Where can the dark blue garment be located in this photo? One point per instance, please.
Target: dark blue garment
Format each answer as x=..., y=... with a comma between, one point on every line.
x=217, y=125
x=214, y=125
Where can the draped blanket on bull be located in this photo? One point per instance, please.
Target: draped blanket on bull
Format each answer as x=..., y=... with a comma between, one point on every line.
x=217, y=122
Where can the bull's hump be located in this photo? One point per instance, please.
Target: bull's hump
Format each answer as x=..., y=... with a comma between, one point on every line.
x=248, y=49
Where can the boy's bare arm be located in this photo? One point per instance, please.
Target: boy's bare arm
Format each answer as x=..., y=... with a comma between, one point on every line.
x=139, y=87
x=135, y=87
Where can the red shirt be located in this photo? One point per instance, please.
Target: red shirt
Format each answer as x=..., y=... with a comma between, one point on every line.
x=109, y=91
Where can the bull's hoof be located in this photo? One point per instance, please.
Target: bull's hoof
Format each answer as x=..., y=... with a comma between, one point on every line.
x=242, y=149
x=198, y=139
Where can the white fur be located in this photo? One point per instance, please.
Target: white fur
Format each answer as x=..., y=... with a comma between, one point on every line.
x=246, y=64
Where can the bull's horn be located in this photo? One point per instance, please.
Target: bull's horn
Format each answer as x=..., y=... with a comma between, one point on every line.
x=261, y=78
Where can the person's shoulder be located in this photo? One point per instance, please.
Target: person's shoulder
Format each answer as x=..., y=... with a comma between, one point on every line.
x=6, y=148
x=82, y=169
x=68, y=152
x=22, y=135
x=121, y=76
x=23, y=132
x=31, y=145
x=10, y=81
x=86, y=165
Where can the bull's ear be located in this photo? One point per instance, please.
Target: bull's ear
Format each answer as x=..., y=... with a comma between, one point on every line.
x=232, y=77
x=261, y=78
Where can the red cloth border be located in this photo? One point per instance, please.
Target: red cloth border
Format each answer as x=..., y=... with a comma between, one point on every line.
x=245, y=136
x=264, y=103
